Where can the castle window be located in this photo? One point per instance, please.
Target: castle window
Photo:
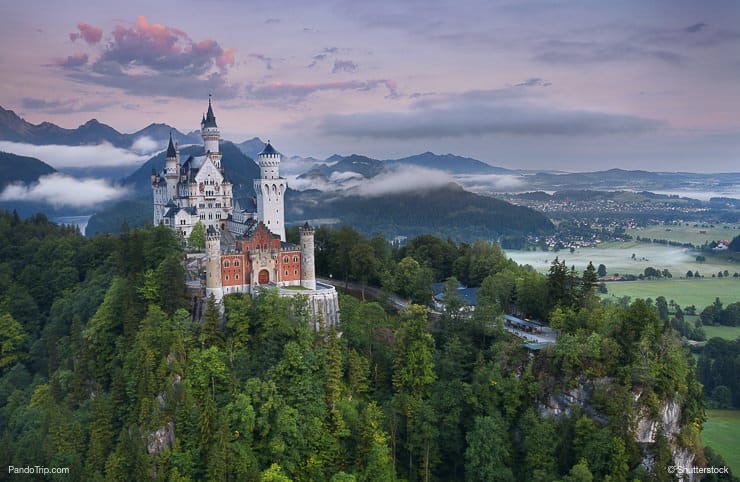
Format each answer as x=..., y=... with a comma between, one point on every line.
x=236, y=277
x=285, y=259
x=236, y=262
x=226, y=263
x=295, y=272
x=227, y=277
x=295, y=259
x=286, y=272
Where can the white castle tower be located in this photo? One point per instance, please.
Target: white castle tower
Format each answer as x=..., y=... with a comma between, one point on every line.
x=308, y=277
x=159, y=191
x=171, y=170
x=270, y=190
x=211, y=136
x=214, y=285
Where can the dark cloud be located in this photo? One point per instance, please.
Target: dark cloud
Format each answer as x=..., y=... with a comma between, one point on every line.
x=160, y=84
x=88, y=33
x=696, y=27
x=64, y=106
x=344, y=66
x=300, y=91
x=323, y=55
x=575, y=52
x=155, y=59
x=267, y=60
x=534, y=82
x=479, y=113
x=73, y=61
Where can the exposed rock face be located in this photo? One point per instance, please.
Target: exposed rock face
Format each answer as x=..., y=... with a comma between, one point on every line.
x=669, y=419
x=562, y=405
x=161, y=439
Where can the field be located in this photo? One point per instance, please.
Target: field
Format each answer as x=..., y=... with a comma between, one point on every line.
x=617, y=257
x=726, y=332
x=722, y=432
x=696, y=234
x=700, y=293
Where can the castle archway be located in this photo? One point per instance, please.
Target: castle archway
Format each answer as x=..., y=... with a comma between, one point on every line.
x=264, y=277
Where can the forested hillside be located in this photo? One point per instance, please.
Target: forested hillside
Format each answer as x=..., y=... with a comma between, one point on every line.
x=14, y=168
x=104, y=372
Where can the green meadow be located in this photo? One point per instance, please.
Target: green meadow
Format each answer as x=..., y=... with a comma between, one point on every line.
x=694, y=233
x=722, y=432
x=698, y=292
x=726, y=332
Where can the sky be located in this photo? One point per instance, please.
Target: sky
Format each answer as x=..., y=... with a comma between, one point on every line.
x=561, y=85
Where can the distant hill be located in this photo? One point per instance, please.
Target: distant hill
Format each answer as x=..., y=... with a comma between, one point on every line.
x=23, y=169
x=363, y=165
x=450, y=163
x=240, y=169
x=447, y=212
x=133, y=212
x=251, y=147
x=14, y=128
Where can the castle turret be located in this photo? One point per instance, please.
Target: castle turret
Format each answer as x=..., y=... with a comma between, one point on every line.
x=171, y=170
x=213, y=264
x=308, y=276
x=270, y=190
x=211, y=135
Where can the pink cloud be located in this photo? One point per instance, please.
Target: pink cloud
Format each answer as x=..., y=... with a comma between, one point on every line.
x=226, y=59
x=88, y=33
x=152, y=58
x=165, y=49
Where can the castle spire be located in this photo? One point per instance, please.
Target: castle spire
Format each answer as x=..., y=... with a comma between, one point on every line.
x=171, y=151
x=210, y=119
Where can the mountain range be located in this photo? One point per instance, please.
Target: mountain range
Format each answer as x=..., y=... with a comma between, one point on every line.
x=409, y=208
x=16, y=129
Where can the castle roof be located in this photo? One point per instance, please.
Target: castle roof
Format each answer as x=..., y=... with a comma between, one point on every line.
x=171, y=152
x=268, y=150
x=247, y=205
x=173, y=210
x=210, y=119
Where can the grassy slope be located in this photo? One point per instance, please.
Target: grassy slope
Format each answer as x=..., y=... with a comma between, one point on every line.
x=722, y=432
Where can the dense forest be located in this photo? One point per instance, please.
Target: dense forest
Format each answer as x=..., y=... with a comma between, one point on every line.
x=104, y=371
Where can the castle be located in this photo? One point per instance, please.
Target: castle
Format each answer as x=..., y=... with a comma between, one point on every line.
x=245, y=248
